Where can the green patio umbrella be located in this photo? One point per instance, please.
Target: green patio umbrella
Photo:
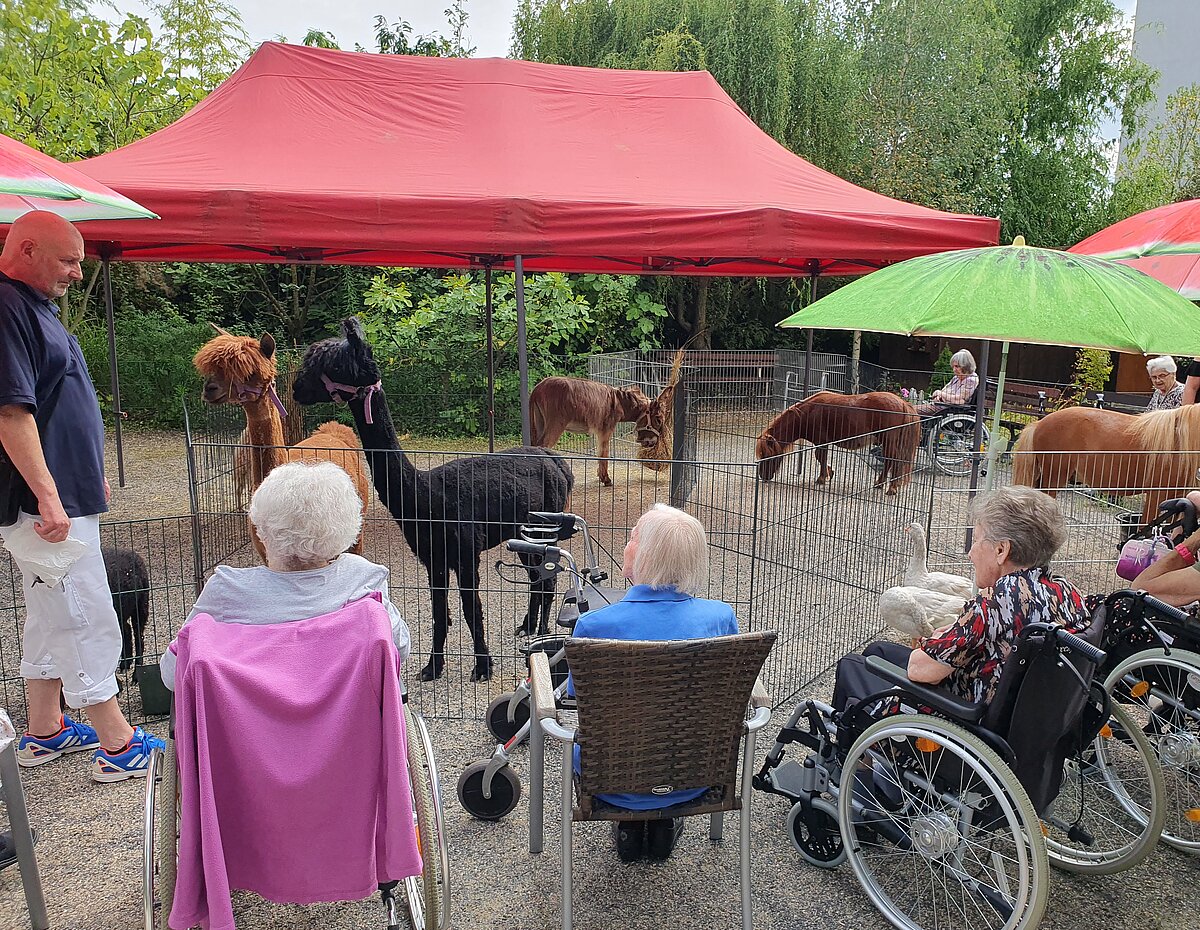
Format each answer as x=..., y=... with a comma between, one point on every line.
x=1014, y=293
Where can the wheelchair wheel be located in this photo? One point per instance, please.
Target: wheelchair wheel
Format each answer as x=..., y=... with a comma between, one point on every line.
x=939, y=830
x=952, y=442
x=506, y=791
x=160, y=838
x=813, y=829
x=1113, y=793
x=497, y=717
x=427, y=894
x=1162, y=694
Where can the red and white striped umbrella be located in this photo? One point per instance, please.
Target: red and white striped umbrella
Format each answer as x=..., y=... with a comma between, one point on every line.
x=31, y=180
x=1170, y=230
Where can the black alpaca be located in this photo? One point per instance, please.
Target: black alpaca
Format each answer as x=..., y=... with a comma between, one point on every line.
x=129, y=582
x=450, y=514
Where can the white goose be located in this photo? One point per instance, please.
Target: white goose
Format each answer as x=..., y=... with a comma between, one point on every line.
x=917, y=612
x=918, y=574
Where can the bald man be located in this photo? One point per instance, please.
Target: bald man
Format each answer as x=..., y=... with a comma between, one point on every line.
x=51, y=430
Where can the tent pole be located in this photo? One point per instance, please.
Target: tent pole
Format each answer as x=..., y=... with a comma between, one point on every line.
x=113, y=375
x=522, y=348
x=812, y=295
x=994, y=444
x=491, y=359
x=977, y=439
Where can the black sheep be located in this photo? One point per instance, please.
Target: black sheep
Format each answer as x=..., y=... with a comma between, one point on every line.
x=450, y=514
x=129, y=582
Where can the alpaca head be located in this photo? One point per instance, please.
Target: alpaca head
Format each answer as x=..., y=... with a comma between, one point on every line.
x=769, y=452
x=916, y=532
x=342, y=360
x=236, y=369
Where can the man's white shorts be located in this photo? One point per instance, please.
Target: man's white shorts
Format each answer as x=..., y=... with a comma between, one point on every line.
x=71, y=629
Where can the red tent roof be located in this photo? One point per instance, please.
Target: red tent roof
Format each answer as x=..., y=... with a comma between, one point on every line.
x=307, y=154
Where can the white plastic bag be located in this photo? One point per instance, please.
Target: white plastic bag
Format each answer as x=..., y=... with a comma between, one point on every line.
x=46, y=560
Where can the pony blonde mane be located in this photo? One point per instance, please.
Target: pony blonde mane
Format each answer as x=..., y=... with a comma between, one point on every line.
x=1175, y=430
x=235, y=360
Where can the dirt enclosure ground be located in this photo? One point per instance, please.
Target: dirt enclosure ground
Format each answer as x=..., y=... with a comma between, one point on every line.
x=788, y=555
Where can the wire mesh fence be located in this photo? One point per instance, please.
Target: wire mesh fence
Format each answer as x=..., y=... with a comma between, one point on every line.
x=804, y=557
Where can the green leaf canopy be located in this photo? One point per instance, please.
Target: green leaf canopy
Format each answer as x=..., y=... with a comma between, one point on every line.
x=1017, y=294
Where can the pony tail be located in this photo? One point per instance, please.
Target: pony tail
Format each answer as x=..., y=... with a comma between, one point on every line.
x=1025, y=461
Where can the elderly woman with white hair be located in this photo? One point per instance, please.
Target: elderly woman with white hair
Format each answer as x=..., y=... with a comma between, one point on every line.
x=1168, y=392
x=666, y=558
x=307, y=516
x=958, y=389
x=1017, y=531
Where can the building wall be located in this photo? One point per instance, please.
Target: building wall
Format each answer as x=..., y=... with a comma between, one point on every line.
x=1165, y=38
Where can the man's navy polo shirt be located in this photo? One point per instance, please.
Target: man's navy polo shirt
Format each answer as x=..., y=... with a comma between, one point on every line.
x=37, y=355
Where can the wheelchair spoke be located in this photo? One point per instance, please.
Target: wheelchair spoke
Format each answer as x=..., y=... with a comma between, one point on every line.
x=938, y=837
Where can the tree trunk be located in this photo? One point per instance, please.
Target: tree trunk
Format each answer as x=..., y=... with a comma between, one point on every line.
x=855, y=355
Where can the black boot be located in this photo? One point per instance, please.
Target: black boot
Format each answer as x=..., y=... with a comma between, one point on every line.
x=630, y=836
x=661, y=836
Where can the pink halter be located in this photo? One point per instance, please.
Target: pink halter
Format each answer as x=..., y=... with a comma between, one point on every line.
x=246, y=393
x=355, y=391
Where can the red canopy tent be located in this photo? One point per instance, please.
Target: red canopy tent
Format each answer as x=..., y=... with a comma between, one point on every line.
x=307, y=154
x=312, y=155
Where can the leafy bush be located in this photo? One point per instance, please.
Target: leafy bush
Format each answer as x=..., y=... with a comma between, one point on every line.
x=154, y=355
x=429, y=338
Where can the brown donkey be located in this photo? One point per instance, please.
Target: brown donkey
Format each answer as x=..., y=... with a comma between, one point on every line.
x=560, y=404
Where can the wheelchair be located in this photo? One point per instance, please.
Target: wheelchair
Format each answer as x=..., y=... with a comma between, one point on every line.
x=489, y=789
x=426, y=896
x=948, y=439
x=950, y=812
x=1153, y=673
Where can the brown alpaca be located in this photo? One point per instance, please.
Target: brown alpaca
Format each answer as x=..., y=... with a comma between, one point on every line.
x=241, y=370
x=560, y=404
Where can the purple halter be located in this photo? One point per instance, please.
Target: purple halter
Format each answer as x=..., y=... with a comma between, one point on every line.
x=355, y=391
x=246, y=393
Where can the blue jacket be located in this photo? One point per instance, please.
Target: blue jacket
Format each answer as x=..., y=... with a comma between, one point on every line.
x=647, y=613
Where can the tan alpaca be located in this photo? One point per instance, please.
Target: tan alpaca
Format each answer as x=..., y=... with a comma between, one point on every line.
x=241, y=370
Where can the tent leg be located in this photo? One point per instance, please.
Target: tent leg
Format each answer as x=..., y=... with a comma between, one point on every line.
x=491, y=360
x=808, y=347
x=522, y=349
x=113, y=374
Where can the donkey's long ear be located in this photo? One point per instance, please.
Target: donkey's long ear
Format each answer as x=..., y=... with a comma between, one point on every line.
x=267, y=345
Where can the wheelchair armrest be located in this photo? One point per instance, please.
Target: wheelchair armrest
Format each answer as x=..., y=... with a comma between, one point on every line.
x=937, y=698
x=541, y=687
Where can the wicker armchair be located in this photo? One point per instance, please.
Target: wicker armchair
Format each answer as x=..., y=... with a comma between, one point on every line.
x=652, y=714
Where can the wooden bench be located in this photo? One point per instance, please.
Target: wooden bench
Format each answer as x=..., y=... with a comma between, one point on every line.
x=1032, y=401
x=1122, y=402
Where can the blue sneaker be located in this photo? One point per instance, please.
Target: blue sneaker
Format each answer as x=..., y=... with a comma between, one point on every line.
x=73, y=737
x=130, y=762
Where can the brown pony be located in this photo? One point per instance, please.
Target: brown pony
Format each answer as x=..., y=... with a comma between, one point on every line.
x=560, y=404
x=1111, y=451
x=850, y=421
x=241, y=370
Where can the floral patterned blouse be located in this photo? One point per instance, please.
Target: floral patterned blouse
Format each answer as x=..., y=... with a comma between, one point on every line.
x=1168, y=401
x=976, y=646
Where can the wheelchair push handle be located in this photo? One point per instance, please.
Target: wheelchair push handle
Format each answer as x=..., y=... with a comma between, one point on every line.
x=543, y=551
x=1171, y=613
x=1064, y=637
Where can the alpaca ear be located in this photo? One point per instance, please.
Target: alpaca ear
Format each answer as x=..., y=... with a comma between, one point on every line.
x=267, y=345
x=219, y=331
x=355, y=337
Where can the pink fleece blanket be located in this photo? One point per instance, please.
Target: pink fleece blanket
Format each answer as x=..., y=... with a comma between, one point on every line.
x=293, y=780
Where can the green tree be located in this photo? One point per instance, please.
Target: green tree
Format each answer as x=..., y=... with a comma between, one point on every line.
x=1165, y=166
x=201, y=42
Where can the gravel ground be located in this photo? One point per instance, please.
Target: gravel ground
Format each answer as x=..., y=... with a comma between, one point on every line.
x=90, y=835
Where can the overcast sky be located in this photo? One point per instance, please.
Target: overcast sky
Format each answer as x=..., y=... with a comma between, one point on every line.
x=351, y=21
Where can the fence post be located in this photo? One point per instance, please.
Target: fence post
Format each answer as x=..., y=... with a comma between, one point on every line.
x=679, y=489
x=197, y=536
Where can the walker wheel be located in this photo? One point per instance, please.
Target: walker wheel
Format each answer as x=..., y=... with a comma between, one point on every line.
x=506, y=792
x=813, y=828
x=497, y=717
